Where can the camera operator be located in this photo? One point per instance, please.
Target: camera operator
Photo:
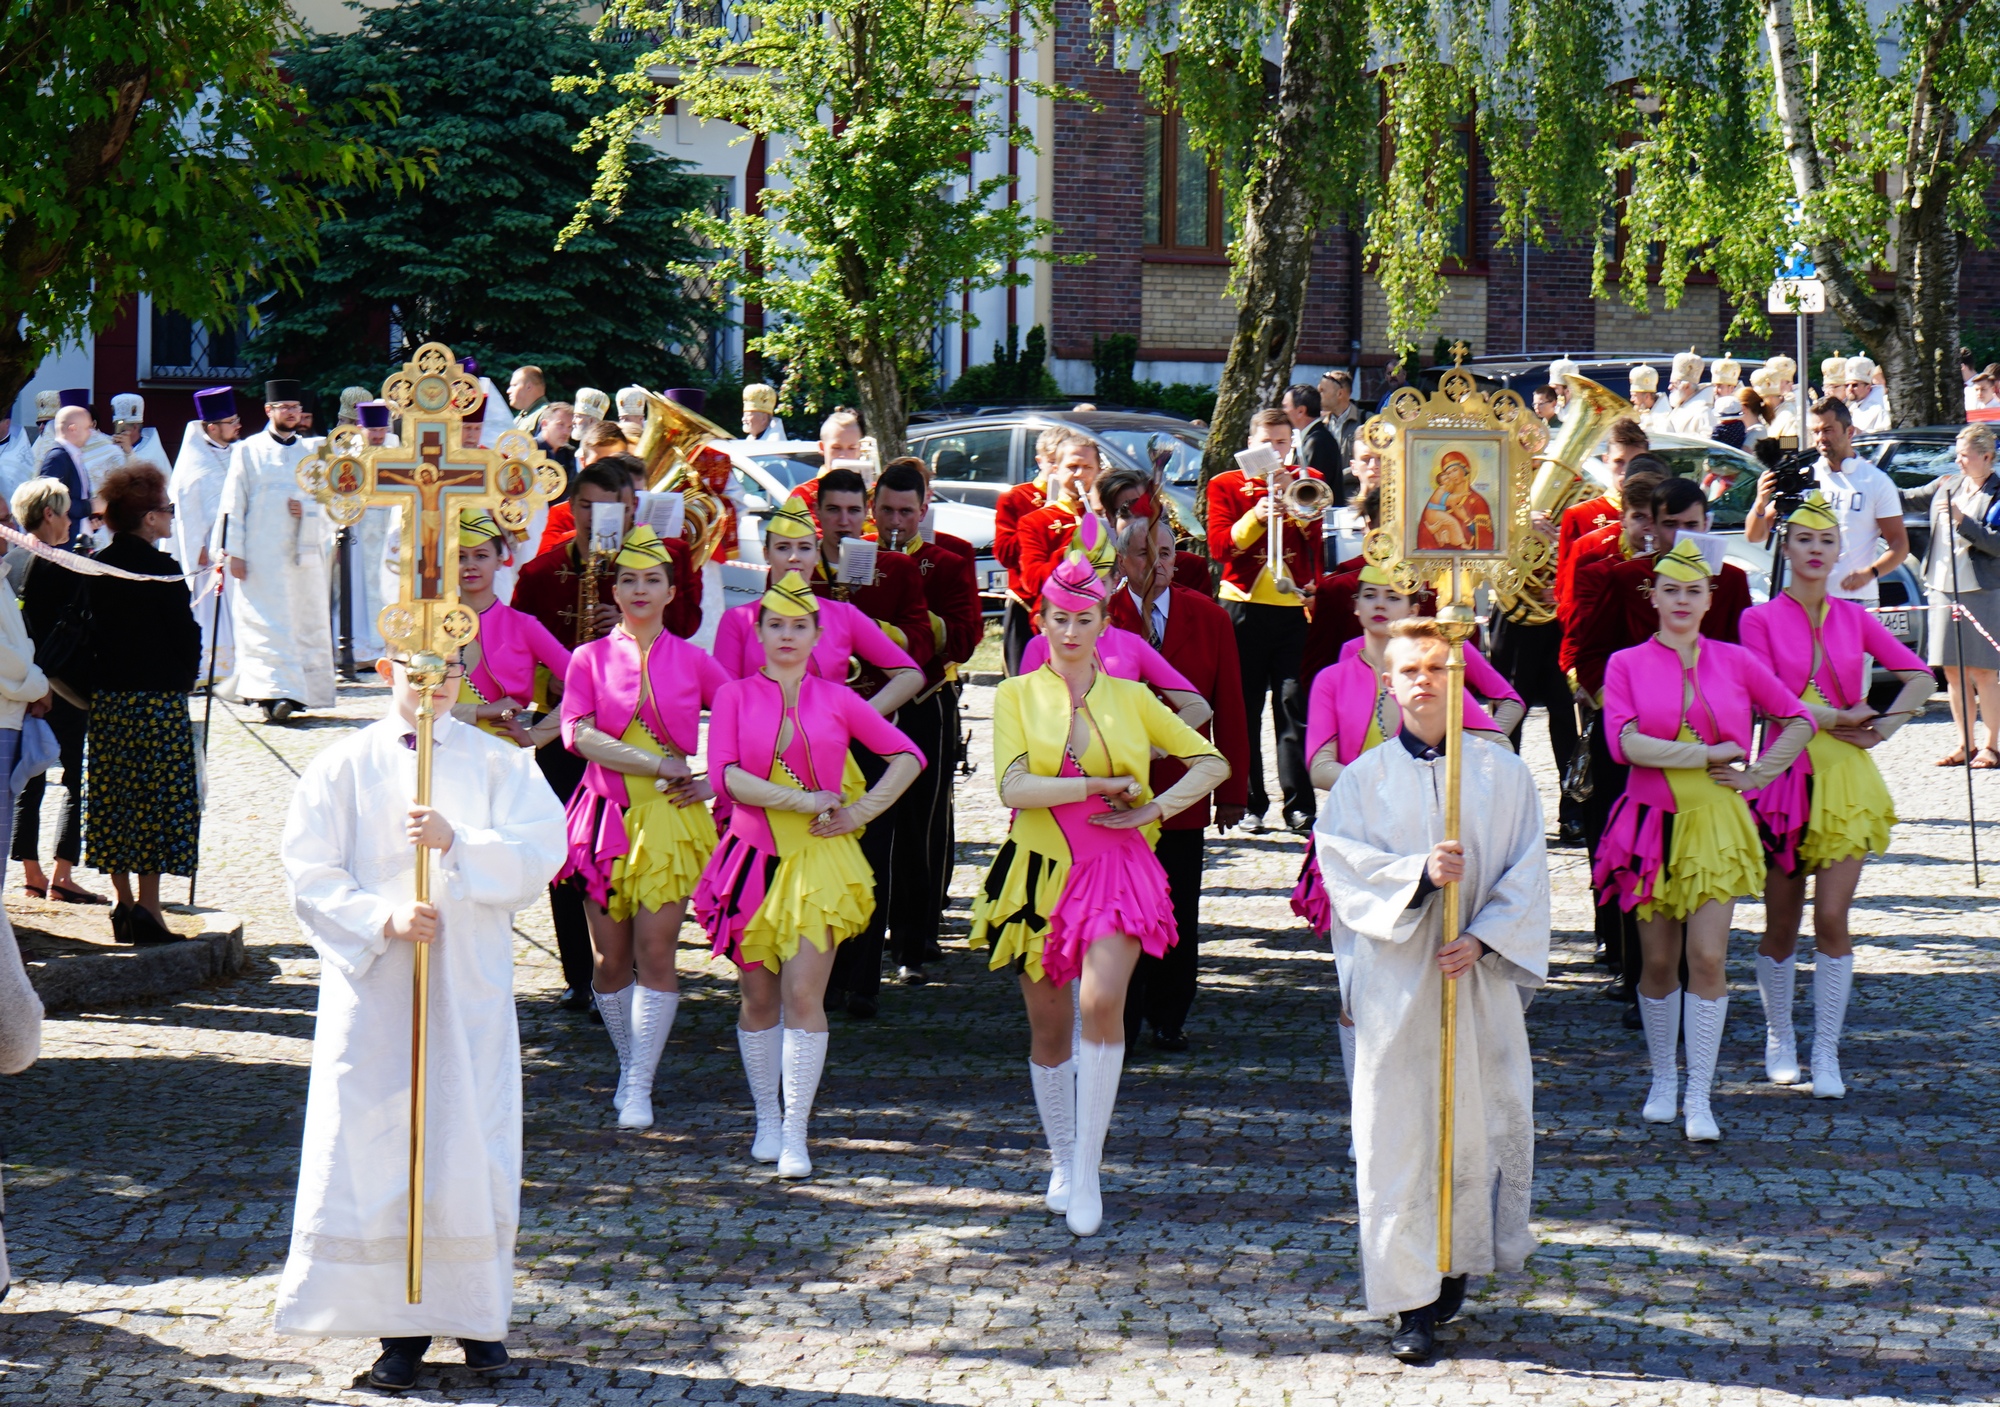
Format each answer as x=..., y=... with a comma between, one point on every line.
x=1862, y=497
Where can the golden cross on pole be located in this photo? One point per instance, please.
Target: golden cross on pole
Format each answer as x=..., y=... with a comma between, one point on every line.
x=1459, y=352
x=433, y=478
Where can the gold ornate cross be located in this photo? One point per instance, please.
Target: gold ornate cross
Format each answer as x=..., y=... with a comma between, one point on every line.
x=1459, y=352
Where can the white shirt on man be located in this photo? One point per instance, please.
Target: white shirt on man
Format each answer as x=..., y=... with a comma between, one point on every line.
x=1860, y=495
x=1160, y=605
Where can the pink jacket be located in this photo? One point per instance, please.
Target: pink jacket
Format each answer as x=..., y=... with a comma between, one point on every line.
x=743, y=728
x=845, y=633
x=1343, y=701
x=1733, y=687
x=511, y=644
x=1780, y=634
x=1124, y=655
x=603, y=680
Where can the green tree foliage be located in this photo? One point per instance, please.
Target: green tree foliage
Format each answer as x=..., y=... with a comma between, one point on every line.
x=154, y=146
x=866, y=231
x=1015, y=373
x=471, y=259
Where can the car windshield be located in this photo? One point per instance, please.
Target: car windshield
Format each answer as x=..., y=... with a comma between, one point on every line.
x=786, y=470
x=1916, y=465
x=1184, y=447
x=1701, y=461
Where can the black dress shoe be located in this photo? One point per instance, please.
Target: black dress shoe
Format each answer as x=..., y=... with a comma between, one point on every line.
x=933, y=953
x=142, y=927
x=396, y=1369
x=1414, y=1340
x=1169, y=1040
x=121, y=923
x=1299, y=823
x=1631, y=1020
x=1570, y=836
x=911, y=976
x=573, y=1000
x=1451, y=1296
x=862, y=1008
x=1616, y=990
x=483, y=1357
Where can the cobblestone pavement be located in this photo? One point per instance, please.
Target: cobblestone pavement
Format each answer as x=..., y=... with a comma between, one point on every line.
x=1822, y=1252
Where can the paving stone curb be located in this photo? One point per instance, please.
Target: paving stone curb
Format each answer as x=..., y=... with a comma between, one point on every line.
x=89, y=981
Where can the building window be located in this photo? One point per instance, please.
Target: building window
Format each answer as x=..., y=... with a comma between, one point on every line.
x=1183, y=198
x=189, y=351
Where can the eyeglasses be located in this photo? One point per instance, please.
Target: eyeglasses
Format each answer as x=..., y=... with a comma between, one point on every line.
x=166, y=508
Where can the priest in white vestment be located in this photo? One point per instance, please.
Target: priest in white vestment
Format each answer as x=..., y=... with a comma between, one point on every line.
x=1378, y=839
x=347, y=849
x=279, y=550
x=195, y=488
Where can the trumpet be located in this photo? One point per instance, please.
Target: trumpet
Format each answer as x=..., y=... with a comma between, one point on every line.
x=1304, y=500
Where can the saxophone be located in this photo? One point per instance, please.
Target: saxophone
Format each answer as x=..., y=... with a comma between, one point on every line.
x=1561, y=484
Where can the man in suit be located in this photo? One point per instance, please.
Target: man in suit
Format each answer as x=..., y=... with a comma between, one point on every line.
x=1314, y=446
x=1198, y=639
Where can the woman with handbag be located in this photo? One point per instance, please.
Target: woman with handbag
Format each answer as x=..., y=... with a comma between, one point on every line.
x=1962, y=568
x=144, y=815
x=55, y=607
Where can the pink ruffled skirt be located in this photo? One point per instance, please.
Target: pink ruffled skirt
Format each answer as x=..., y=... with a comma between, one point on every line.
x=1309, y=899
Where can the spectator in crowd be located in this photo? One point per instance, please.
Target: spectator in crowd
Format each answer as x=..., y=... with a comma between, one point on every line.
x=1343, y=416
x=52, y=598
x=63, y=462
x=1313, y=444
x=1548, y=404
x=143, y=816
x=1962, y=568
x=24, y=689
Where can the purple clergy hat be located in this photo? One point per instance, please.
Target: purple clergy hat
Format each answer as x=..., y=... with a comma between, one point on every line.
x=66, y=399
x=691, y=397
x=471, y=365
x=215, y=403
x=374, y=415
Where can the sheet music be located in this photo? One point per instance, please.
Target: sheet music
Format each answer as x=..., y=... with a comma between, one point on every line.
x=1258, y=461
x=664, y=511
x=607, y=526
x=857, y=562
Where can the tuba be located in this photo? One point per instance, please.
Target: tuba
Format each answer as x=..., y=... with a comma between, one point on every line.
x=676, y=447
x=1561, y=484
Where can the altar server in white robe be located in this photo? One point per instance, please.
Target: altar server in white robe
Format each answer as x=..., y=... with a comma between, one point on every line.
x=139, y=440
x=195, y=488
x=1381, y=853
x=499, y=838
x=280, y=544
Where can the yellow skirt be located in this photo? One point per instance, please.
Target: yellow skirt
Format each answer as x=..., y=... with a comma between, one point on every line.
x=668, y=846
x=823, y=891
x=1851, y=812
x=1011, y=911
x=1714, y=852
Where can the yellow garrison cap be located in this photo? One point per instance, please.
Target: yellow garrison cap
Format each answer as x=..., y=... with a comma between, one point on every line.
x=1814, y=513
x=643, y=549
x=790, y=597
x=793, y=520
x=1683, y=563
x=1372, y=575
x=476, y=525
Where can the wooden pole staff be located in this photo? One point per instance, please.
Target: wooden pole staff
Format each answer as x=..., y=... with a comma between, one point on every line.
x=1456, y=620
x=426, y=674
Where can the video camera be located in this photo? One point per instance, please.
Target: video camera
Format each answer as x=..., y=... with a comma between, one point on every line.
x=1792, y=478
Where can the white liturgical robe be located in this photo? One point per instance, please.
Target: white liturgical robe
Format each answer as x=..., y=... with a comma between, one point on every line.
x=196, y=490
x=1374, y=836
x=350, y=867
x=283, y=609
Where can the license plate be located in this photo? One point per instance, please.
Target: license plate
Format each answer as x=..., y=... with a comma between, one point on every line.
x=1896, y=622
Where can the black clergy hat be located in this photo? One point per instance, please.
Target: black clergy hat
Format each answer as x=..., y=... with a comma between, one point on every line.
x=281, y=390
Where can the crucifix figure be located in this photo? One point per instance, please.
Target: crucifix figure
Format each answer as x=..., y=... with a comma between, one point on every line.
x=431, y=477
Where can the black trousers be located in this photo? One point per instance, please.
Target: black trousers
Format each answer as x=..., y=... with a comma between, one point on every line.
x=857, y=966
x=1162, y=988
x=1016, y=629
x=1269, y=640
x=70, y=724
x=1529, y=658
x=1617, y=929
x=563, y=770
x=920, y=866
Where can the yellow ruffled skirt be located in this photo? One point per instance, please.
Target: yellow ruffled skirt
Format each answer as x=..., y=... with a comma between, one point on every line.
x=1851, y=813
x=823, y=889
x=1714, y=852
x=1011, y=911
x=668, y=846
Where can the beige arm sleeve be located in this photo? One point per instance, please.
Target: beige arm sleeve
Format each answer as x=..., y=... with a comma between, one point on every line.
x=903, y=685
x=1326, y=768
x=1644, y=751
x=1779, y=755
x=1909, y=701
x=466, y=713
x=595, y=745
x=1822, y=714
x=903, y=769
x=1505, y=714
x=1022, y=790
x=772, y=796
x=1193, y=708
x=1204, y=774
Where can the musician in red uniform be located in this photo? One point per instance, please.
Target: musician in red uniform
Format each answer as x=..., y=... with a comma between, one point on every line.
x=1044, y=536
x=1270, y=622
x=839, y=442
x=1198, y=639
x=895, y=600
x=1015, y=503
x=921, y=860
x=1625, y=442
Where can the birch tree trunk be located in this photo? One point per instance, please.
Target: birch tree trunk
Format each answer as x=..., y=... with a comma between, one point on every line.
x=1273, y=254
